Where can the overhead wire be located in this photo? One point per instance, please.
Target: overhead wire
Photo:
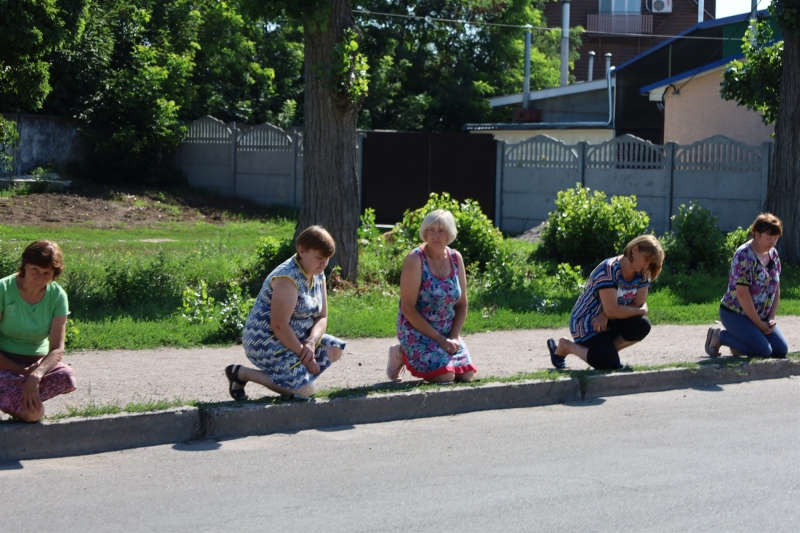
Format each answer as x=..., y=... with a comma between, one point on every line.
x=528, y=26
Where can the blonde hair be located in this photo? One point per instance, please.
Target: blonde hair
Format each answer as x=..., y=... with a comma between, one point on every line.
x=441, y=218
x=649, y=245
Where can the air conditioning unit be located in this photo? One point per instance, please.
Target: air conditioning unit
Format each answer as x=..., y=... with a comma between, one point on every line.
x=662, y=6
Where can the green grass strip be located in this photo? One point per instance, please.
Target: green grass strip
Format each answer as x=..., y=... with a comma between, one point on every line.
x=583, y=376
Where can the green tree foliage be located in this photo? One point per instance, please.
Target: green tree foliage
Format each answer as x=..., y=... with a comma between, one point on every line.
x=229, y=81
x=126, y=80
x=755, y=82
x=436, y=76
x=769, y=81
x=29, y=30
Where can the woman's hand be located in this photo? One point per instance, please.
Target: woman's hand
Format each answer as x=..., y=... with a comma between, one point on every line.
x=31, y=400
x=450, y=346
x=644, y=309
x=307, y=356
x=767, y=326
x=600, y=322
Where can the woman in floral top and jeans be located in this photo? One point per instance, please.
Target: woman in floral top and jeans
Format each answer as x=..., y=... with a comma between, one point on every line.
x=749, y=306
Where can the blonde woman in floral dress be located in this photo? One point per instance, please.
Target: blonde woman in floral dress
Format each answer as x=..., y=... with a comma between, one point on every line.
x=433, y=307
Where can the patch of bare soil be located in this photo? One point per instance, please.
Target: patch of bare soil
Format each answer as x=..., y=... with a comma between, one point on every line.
x=533, y=235
x=100, y=206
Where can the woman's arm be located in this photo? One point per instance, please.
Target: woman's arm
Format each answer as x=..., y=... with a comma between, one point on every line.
x=612, y=309
x=773, y=311
x=31, y=401
x=8, y=364
x=410, y=281
x=462, y=305
x=749, y=308
x=320, y=324
x=284, y=301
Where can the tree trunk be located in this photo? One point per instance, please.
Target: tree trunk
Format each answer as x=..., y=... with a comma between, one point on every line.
x=330, y=165
x=783, y=196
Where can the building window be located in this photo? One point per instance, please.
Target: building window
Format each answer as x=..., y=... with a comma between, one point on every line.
x=622, y=7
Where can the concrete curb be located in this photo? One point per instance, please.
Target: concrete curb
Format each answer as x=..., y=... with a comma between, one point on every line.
x=78, y=436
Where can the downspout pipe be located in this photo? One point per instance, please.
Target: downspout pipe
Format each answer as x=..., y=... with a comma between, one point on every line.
x=526, y=83
x=545, y=125
x=564, y=43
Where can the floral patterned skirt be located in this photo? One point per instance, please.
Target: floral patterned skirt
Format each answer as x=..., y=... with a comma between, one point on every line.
x=425, y=359
x=60, y=380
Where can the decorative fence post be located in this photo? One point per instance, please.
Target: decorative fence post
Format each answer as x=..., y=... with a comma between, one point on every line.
x=669, y=160
x=498, y=190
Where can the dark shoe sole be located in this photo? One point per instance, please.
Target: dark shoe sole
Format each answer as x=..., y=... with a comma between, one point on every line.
x=560, y=363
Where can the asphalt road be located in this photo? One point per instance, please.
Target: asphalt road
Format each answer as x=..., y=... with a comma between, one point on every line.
x=716, y=459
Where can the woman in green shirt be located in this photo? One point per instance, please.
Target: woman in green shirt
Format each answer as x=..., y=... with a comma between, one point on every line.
x=33, y=321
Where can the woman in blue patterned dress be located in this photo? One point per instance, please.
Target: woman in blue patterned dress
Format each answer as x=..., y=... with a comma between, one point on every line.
x=749, y=306
x=433, y=307
x=611, y=312
x=285, y=333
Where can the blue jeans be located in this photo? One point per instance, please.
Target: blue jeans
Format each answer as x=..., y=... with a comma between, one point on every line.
x=741, y=334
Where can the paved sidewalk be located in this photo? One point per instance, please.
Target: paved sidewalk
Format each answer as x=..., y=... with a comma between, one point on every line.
x=197, y=374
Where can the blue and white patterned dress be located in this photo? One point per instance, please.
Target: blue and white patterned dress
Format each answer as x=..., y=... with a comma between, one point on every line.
x=264, y=349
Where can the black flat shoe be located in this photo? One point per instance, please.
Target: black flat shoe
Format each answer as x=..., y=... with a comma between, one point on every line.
x=232, y=373
x=560, y=363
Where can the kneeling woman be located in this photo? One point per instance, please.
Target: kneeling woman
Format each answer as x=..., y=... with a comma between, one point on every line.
x=32, y=329
x=611, y=313
x=749, y=307
x=433, y=307
x=285, y=333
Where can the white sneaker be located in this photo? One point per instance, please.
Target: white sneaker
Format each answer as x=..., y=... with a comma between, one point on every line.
x=395, y=366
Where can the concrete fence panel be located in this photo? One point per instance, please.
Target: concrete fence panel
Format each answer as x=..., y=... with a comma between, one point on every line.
x=265, y=165
x=627, y=166
x=206, y=156
x=533, y=173
x=728, y=177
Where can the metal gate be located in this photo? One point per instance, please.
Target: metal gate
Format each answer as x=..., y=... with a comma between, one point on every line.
x=400, y=170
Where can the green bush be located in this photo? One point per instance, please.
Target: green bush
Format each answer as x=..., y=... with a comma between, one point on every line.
x=585, y=228
x=380, y=259
x=270, y=252
x=734, y=240
x=696, y=242
x=478, y=240
x=234, y=312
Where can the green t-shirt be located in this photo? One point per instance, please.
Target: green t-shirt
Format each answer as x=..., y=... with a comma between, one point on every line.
x=25, y=328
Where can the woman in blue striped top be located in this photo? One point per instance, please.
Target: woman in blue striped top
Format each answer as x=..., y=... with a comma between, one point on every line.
x=611, y=313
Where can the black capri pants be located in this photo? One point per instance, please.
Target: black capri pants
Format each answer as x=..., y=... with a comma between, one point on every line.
x=603, y=355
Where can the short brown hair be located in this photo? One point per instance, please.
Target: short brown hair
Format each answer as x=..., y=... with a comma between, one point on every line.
x=767, y=223
x=649, y=245
x=317, y=238
x=44, y=254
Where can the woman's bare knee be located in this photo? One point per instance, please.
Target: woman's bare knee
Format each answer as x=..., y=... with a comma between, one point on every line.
x=334, y=353
x=306, y=390
x=443, y=378
x=466, y=376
